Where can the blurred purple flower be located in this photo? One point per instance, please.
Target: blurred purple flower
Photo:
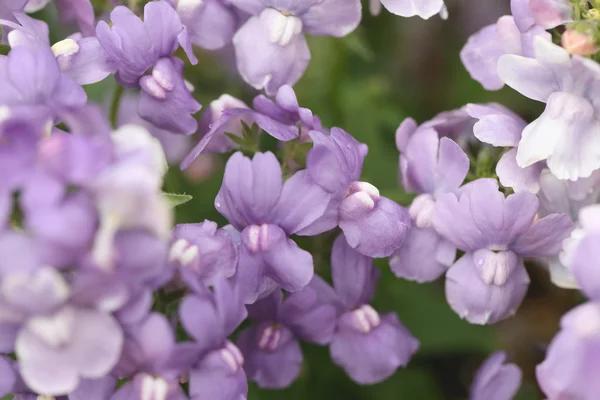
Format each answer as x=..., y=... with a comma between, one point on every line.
x=202, y=253
x=270, y=47
x=582, y=251
x=211, y=23
x=210, y=317
x=496, y=380
x=422, y=8
x=489, y=282
x=80, y=10
x=571, y=360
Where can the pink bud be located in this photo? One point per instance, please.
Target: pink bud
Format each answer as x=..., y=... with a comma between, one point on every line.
x=579, y=43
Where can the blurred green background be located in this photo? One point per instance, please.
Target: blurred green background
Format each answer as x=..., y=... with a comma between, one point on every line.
x=367, y=83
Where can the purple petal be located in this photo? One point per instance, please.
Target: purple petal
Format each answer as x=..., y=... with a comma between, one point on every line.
x=94, y=389
x=408, y=8
x=374, y=356
x=309, y=316
x=520, y=179
x=527, y=76
x=544, y=237
x=7, y=376
x=301, y=203
x=82, y=10
x=272, y=364
x=375, y=230
x=332, y=18
x=250, y=190
x=214, y=378
x=583, y=266
x=201, y=320
x=169, y=107
x=163, y=27
x=478, y=302
x=495, y=380
x=418, y=174
x=423, y=257
x=210, y=24
x=267, y=308
x=452, y=166
x=89, y=64
x=277, y=65
x=353, y=274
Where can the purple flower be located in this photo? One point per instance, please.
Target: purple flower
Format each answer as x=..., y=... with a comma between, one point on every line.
x=431, y=167
x=21, y=129
x=489, y=282
x=373, y=224
x=581, y=251
x=56, y=350
x=266, y=211
x=150, y=357
x=270, y=47
x=570, y=364
x=272, y=354
x=209, y=317
x=33, y=78
x=423, y=8
x=565, y=134
x=8, y=7
x=202, y=253
x=500, y=127
x=482, y=51
x=80, y=10
x=135, y=46
x=279, y=118
x=7, y=376
x=496, y=380
x=211, y=23
x=546, y=13
x=367, y=345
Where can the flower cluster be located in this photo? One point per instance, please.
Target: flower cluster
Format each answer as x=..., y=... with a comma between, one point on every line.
x=103, y=297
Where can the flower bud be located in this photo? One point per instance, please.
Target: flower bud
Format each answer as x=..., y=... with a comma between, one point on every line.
x=578, y=43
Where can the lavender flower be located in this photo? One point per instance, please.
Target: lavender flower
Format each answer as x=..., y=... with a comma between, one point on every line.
x=80, y=10
x=135, y=46
x=429, y=166
x=367, y=345
x=270, y=47
x=581, y=250
x=496, y=380
x=564, y=134
x=546, y=13
x=489, y=282
x=272, y=354
x=373, y=225
x=422, y=8
x=266, y=211
x=500, y=127
x=280, y=118
x=209, y=317
x=482, y=51
x=202, y=253
x=211, y=23
x=8, y=7
x=570, y=361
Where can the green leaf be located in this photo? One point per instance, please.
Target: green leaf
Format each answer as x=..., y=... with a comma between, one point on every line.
x=4, y=48
x=177, y=199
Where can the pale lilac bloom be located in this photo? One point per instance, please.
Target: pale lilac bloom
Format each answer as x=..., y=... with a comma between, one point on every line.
x=374, y=225
x=489, y=282
x=8, y=7
x=150, y=358
x=270, y=47
x=429, y=166
x=369, y=346
x=211, y=23
x=581, y=251
x=209, y=317
x=567, y=134
x=35, y=5
x=33, y=78
x=482, y=51
x=83, y=59
x=546, y=13
x=202, y=253
x=272, y=354
x=135, y=46
x=422, y=8
x=257, y=203
x=279, y=118
x=496, y=380
x=8, y=377
x=571, y=363
x=80, y=10
x=500, y=127
x=567, y=197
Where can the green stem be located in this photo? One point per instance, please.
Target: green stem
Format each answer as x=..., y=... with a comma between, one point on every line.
x=114, y=107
